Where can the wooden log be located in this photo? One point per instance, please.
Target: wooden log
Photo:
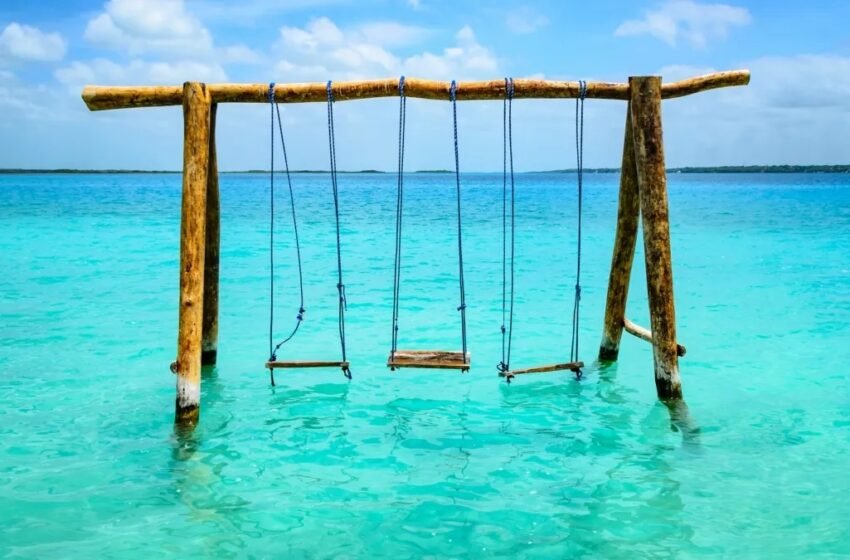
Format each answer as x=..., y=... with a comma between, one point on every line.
x=645, y=334
x=628, y=213
x=428, y=359
x=304, y=364
x=209, y=337
x=99, y=98
x=572, y=366
x=196, y=136
x=652, y=186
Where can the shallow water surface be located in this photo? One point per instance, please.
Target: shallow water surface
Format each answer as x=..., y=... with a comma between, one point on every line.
x=415, y=462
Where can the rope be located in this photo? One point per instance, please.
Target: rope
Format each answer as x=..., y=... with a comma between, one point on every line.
x=507, y=153
x=402, y=121
x=462, y=306
x=271, y=230
x=574, y=349
x=300, y=315
x=343, y=304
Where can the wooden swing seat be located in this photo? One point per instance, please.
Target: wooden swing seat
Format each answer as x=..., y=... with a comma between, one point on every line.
x=428, y=359
x=572, y=366
x=297, y=365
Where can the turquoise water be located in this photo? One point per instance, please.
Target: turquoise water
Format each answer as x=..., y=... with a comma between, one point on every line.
x=418, y=463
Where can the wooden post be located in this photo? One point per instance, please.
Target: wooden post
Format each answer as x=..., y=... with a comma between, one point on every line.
x=645, y=101
x=209, y=340
x=196, y=138
x=628, y=212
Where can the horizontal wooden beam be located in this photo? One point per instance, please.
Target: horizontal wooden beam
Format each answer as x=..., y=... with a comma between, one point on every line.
x=572, y=366
x=298, y=365
x=428, y=359
x=98, y=98
x=645, y=334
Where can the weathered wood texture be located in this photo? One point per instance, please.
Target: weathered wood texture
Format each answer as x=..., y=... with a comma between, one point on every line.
x=429, y=359
x=652, y=186
x=99, y=98
x=572, y=366
x=645, y=334
x=209, y=339
x=628, y=214
x=304, y=364
x=196, y=137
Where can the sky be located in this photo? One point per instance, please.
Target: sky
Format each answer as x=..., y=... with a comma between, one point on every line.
x=796, y=109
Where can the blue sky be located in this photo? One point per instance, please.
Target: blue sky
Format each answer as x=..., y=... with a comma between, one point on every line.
x=796, y=110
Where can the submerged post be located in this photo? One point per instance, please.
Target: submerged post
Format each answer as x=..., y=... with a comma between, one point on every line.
x=196, y=138
x=645, y=100
x=209, y=339
x=628, y=212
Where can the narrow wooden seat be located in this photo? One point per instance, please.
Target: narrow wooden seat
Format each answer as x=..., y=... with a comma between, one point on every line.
x=572, y=366
x=295, y=364
x=429, y=359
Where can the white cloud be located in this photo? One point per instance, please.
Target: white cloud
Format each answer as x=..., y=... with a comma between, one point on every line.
x=29, y=43
x=691, y=21
x=321, y=50
x=239, y=54
x=106, y=72
x=415, y=4
x=161, y=26
x=525, y=20
x=390, y=33
x=467, y=59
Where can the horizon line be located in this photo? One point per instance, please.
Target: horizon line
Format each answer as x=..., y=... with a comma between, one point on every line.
x=781, y=168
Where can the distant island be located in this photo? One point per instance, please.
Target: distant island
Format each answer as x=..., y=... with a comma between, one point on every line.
x=729, y=169
x=717, y=169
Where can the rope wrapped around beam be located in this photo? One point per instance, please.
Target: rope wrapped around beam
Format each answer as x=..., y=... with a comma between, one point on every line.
x=99, y=98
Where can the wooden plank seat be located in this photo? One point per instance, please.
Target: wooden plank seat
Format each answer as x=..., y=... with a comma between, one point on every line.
x=575, y=367
x=428, y=359
x=304, y=364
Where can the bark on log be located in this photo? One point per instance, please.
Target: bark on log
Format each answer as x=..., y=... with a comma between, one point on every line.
x=645, y=334
x=652, y=186
x=209, y=344
x=99, y=98
x=304, y=364
x=628, y=213
x=429, y=359
x=196, y=136
x=572, y=366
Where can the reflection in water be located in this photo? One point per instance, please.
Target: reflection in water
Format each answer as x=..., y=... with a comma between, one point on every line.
x=200, y=461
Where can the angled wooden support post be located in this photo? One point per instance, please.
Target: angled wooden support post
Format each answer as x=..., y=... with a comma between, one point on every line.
x=645, y=101
x=628, y=212
x=209, y=344
x=196, y=142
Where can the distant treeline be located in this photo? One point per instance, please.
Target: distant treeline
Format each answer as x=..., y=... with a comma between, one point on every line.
x=719, y=169
x=730, y=169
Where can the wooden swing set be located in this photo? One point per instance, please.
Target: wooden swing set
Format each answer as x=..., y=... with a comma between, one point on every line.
x=642, y=196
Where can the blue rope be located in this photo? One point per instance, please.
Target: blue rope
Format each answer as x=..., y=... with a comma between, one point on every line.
x=343, y=304
x=402, y=120
x=301, y=311
x=271, y=231
x=507, y=154
x=574, y=348
x=462, y=306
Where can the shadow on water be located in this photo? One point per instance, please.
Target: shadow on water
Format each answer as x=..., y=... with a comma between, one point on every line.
x=201, y=458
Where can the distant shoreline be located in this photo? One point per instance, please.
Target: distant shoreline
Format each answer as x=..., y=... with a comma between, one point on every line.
x=687, y=170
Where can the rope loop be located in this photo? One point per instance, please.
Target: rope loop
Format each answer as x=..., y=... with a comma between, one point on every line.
x=453, y=92
x=271, y=92
x=509, y=88
x=582, y=90
x=330, y=91
x=401, y=86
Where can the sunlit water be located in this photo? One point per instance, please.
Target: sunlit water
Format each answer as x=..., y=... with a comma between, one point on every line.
x=423, y=463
